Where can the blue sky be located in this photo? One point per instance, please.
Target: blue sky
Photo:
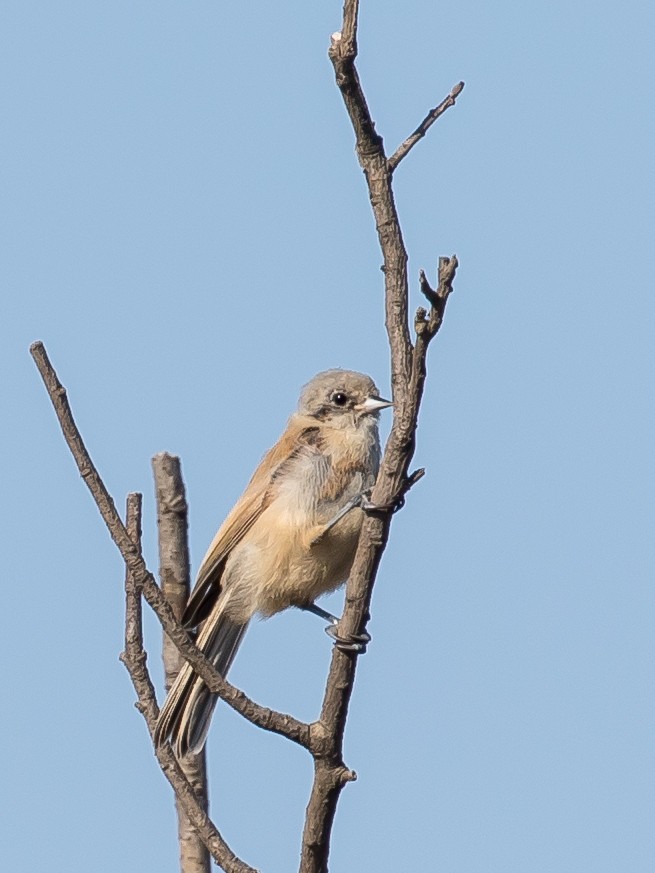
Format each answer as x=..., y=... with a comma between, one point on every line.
x=187, y=229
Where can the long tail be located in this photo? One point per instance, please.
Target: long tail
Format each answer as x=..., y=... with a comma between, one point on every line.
x=185, y=716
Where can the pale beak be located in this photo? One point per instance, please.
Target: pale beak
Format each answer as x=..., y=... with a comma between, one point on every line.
x=373, y=404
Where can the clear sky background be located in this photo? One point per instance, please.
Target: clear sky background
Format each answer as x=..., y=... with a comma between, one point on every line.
x=186, y=227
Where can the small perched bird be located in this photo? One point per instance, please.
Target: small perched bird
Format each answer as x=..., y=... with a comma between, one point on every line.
x=291, y=537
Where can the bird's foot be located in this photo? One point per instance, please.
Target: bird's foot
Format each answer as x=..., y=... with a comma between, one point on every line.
x=350, y=643
x=380, y=508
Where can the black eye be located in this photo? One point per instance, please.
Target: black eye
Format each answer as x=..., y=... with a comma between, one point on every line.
x=339, y=398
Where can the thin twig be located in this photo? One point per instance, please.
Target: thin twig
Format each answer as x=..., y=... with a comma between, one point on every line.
x=405, y=147
x=280, y=723
x=134, y=659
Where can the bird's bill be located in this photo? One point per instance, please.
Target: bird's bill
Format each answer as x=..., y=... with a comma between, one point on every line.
x=373, y=404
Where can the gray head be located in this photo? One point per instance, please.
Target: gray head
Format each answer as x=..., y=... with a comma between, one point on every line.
x=341, y=393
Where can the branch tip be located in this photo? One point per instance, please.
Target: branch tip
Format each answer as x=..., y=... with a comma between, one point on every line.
x=404, y=148
x=346, y=775
x=414, y=477
x=445, y=276
x=426, y=289
x=420, y=320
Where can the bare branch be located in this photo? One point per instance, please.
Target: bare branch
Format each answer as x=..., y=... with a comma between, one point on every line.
x=349, y=28
x=218, y=848
x=280, y=723
x=407, y=376
x=437, y=299
x=174, y=574
x=372, y=158
x=426, y=324
x=405, y=147
x=134, y=659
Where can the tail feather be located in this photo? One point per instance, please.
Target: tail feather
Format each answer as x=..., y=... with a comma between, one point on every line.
x=196, y=716
x=184, y=719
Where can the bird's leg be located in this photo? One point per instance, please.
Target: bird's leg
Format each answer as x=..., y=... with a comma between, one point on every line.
x=351, y=643
x=353, y=503
x=361, y=501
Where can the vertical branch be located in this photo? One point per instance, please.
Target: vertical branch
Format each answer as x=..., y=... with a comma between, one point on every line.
x=407, y=376
x=134, y=656
x=175, y=584
x=373, y=160
x=135, y=660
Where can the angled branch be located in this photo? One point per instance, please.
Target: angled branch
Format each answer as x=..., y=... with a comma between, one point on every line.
x=405, y=147
x=206, y=829
x=280, y=723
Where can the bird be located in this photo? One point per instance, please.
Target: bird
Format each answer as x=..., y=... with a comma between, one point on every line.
x=290, y=538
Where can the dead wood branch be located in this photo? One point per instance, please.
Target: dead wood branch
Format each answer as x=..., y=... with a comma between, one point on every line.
x=405, y=147
x=135, y=660
x=174, y=576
